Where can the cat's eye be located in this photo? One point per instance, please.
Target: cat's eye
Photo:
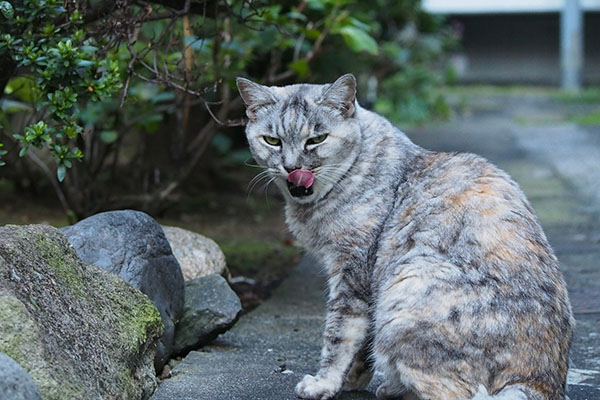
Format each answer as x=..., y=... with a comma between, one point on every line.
x=317, y=139
x=273, y=141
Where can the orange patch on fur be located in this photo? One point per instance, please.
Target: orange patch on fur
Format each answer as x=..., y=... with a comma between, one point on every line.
x=407, y=212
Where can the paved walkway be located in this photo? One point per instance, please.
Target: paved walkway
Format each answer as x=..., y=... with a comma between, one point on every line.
x=558, y=167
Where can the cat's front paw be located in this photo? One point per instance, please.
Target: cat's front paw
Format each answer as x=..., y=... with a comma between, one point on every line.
x=316, y=388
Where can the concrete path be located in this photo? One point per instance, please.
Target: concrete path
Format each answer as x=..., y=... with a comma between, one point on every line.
x=270, y=349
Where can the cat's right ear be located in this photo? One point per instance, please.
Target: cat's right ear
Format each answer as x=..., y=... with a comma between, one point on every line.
x=341, y=95
x=255, y=96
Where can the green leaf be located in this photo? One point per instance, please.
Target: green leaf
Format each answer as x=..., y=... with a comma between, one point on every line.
x=163, y=96
x=24, y=88
x=7, y=10
x=316, y=4
x=358, y=40
x=85, y=63
x=109, y=136
x=61, y=171
x=221, y=142
x=300, y=67
x=359, y=24
x=310, y=33
x=23, y=151
x=193, y=41
x=88, y=48
x=296, y=15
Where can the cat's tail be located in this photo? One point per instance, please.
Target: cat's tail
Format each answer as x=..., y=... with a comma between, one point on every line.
x=510, y=392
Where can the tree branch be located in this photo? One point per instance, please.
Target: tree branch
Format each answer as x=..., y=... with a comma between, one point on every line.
x=178, y=8
x=52, y=178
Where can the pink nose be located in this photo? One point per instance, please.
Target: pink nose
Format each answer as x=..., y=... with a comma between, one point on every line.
x=301, y=177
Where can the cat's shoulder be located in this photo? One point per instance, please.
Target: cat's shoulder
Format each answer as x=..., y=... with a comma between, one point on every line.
x=464, y=178
x=453, y=165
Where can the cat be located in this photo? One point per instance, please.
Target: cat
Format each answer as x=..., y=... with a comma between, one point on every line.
x=439, y=273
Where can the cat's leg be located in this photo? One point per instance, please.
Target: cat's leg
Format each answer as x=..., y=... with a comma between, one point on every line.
x=361, y=371
x=346, y=328
x=444, y=340
x=392, y=387
x=413, y=340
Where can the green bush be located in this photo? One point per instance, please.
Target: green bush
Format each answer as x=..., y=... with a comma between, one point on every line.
x=56, y=68
x=177, y=67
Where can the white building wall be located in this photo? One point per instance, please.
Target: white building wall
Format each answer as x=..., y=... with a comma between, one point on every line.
x=501, y=6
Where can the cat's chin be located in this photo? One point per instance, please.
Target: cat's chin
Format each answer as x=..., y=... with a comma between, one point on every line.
x=303, y=199
x=299, y=191
x=300, y=194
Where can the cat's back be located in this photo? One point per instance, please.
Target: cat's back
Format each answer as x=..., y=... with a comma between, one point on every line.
x=465, y=208
x=460, y=211
x=464, y=256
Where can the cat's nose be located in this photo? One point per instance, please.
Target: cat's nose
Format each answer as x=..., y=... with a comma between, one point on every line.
x=290, y=169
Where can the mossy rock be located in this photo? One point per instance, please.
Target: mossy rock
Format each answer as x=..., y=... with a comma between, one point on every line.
x=80, y=332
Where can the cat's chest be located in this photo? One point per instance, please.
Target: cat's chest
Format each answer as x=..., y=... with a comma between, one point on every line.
x=349, y=226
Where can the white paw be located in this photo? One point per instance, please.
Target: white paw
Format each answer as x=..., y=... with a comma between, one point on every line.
x=316, y=388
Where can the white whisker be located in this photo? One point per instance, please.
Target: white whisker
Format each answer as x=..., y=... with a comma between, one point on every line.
x=270, y=174
x=246, y=163
x=258, y=178
x=266, y=185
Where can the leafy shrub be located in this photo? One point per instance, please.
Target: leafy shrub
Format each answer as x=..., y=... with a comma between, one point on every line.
x=177, y=67
x=43, y=43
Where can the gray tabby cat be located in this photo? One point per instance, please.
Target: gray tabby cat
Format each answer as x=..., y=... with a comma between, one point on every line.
x=439, y=274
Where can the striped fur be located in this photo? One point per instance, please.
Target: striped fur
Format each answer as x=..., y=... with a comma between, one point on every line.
x=439, y=274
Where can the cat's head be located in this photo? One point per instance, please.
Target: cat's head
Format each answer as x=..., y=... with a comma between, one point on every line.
x=306, y=136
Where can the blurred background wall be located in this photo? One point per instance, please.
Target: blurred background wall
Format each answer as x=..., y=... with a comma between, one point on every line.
x=513, y=41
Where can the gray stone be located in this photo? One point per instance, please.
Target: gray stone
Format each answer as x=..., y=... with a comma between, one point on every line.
x=211, y=307
x=15, y=382
x=79, y=331
x=132, y=244
x=198, y=255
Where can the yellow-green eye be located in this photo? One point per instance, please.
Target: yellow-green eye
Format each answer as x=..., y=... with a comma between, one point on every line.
x=317, y=139
x=273, y=141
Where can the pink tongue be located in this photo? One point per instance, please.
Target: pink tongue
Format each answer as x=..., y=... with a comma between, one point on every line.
x=301, y=177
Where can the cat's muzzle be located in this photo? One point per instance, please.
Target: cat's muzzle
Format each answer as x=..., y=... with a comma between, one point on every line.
x=299, y=191
x=300, y=182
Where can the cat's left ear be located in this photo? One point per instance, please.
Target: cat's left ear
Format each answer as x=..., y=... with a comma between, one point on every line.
x=341, y=95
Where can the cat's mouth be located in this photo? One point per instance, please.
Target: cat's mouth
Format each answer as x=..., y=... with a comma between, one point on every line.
x=299, y=191
x=299, y=183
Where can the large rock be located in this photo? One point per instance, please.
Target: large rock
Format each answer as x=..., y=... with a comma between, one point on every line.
x=15, y=382
x=79, y=331
x=132, y=244
x=211, y=307
x=198, y=255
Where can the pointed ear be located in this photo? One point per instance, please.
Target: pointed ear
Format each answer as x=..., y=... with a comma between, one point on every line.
x=255, y=96
x=341, y=95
